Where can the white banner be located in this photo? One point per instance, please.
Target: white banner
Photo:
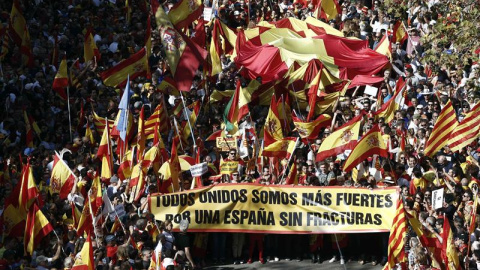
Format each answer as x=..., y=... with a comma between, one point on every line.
x=437, y=198
x=199, y=169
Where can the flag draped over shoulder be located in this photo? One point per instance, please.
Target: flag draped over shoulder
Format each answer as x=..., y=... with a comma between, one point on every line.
x=396, y=241
x=344, y=138
x=136, y=65
x=467, y=131
x=61, y=79
x=182, y=54
x=184, y=12
x=37, y=227
x=62, y=178
x=446, y=123
x=371, y=143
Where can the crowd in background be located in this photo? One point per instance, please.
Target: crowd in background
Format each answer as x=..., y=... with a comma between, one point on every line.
x=429, y=87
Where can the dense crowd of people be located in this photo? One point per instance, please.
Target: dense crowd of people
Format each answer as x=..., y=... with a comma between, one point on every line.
x=429, y=87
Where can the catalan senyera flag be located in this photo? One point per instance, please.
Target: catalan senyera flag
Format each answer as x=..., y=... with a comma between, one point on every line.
x=344, y=138
x=396, y=241
x=449, y=251
x=85, y=260
x=159, y=116
x=184, y=12
x=72, y=77
x=446, y=123
x=399, y=32
x=99, y=123
x=17, y=23
x=90, y=50
x=467, y=131
x=136, y=65
x=273, y=127
x=62, y=178
x=370, y=144
x=384, y=47
x=37, y=227
x=388, y=109
x=282, y=148
x=182, y=54
x=61, y=79
x=310, y=130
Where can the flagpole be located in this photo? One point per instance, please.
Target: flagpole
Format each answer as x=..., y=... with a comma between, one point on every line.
x=176, y=129
x=188, y=119
x=93, y=217
x=69, y=117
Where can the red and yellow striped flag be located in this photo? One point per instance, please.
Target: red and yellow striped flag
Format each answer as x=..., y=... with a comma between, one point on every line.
x=467, y=131
x=99, y=123
x=37, y=227
x=292, y=178
x=446, y=123
x=310, y=130
x=17, y=23
x=61, y=79
x=62, y=178
x=85, y=259
x=449, y=251
x=272, y=131
x=104, y=153
x=28, y=189
x=184, y=12
x=95, y=196
x=282, y=148
x=136, y=65
x=388, y=109
x=174, y=167
x=396, y=241
x=384, y=47
x=160, y=117
x=90, y=50
x=344, y=138
x=371, y=143
x=223, y=41
x=399, y=32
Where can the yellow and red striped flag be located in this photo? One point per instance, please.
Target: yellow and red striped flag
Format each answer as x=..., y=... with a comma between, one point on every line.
x=273, y=127
x=184, y=12
x=282, y=148
x=446, y=123
x=449, y=251
x=136, y=65
x=85, y=223
x=17, y=23
x=310, y=130
x=467, y=131
x=104, y=153
x=36, y=228
x=84, y=261
x=61, y=79
x=72, y=79
x=292, y=177
x=396, y=241
x=174, y=166
x=388, y=109
x=160, y=117
x=28, y=189
x=344, y=138
x=99, y=123
x=90, y=50
x=384, y=47
x=371, y=143
x=223, y=41
x=95, y=196
x=399, y=32
x=62, y=178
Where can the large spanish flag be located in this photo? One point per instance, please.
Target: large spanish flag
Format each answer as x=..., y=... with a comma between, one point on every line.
x=309, y=27
x=344, y=138
x=61, y=79
x=445, y=125
x=183, y=55
x=85, y=259
x=136, y=65
x=62, y=178
x=467, y=131
x=37, y=227
x=388, y=109
x=90, y=50
x=310, y=130
x=184, y=12
x=371, y=144
x=17, y=23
